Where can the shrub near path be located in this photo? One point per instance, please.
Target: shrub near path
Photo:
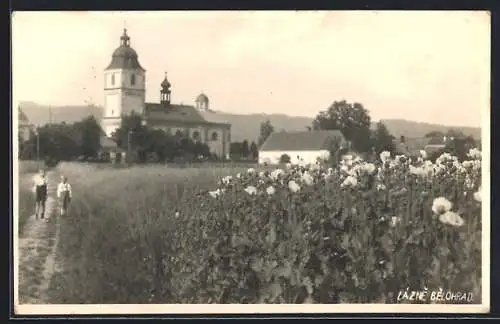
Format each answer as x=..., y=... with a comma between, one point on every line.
x=36, y=250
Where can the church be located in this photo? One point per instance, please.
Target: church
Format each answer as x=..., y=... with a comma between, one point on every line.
x=125, y=92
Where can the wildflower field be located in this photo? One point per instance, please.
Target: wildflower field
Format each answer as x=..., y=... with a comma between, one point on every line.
x=359, y=233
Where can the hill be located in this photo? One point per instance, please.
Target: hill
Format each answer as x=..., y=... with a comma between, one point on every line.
x=243, y=126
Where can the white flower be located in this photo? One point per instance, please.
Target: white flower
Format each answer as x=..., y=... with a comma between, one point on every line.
x=451, y=218
x=358, y=159
x=350, y=181
x=262, y=174
x=293, y=186
x=419, y=171
x=380, y=187
x=275, y=174
x=347, y=157
x=314, y=167
x=177, y=214
x=477, y=195
x=474, y=153
x=344, y=168
x=215, y=193
x=394, y=221
x=441, y=205
x=288, y=165
x=369, y=168
x=468, y=164
x=270, y=190
x=423, y=154
x=227, y=179
x=324, y=155
x=385, y=156
x=307, y=179
x=251, y=190
x=238, y=175
x=251, y=171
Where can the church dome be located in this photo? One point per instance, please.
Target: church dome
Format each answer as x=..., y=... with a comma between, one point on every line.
x=125, y=57
x=202, y=98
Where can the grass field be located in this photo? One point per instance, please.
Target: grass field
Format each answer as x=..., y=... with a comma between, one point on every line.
x=165, y=235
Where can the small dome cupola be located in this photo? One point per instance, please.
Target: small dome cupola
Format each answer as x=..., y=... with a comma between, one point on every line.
x=202, y=102
x=125, y=57
x=165, y=91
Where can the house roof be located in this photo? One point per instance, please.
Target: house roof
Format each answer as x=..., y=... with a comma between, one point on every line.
x=301, y=141
x=178, y=113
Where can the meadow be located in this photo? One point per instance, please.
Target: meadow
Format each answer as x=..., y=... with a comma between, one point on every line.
x=359, y=233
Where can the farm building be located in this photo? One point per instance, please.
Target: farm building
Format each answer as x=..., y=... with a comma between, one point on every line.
x=125, y=92
x=306, y=146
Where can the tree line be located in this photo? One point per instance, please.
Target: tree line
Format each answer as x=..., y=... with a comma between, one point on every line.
x=81, y=140
x=354, y=122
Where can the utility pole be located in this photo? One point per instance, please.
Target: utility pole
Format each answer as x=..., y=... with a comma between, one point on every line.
x=50, y=115
x=37, y=144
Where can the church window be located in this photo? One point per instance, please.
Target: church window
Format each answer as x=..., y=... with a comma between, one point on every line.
x=132, y=79
x=214, y=136
x=112, y=79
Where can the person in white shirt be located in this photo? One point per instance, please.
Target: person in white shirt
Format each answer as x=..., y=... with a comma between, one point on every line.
x=40, y=191
x=64, y=195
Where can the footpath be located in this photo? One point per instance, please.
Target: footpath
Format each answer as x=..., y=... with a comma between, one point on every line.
x=37, y=251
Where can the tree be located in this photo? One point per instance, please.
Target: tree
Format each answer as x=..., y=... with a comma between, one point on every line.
x=382, y=139
x=285, y=158
x=352, y=120
x=132, y=136
x=254, y=151
x=266, y=129
x=245, y=150
x=235, y=150
x=434, y=134
x=90, y=136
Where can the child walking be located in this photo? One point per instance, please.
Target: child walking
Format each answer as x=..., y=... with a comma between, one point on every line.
x=64, y=195
x=40, y=191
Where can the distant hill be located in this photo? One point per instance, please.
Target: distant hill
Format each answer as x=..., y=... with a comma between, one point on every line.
x=243, y=126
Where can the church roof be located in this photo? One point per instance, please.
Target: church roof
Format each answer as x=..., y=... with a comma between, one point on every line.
x=125, y=57
x=301, y=141
x=175, y=112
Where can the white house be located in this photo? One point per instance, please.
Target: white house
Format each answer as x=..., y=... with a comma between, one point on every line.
x=302, y=146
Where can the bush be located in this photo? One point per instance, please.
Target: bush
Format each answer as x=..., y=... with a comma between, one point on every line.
x=285, y=158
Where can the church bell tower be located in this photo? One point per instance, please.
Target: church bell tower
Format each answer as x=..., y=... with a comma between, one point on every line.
x=124, y=86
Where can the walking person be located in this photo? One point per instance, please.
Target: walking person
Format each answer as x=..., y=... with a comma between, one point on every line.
x=40, y=191
x=64, y=195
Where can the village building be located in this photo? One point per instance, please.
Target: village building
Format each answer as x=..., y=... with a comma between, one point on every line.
x=301, y=147
x=125, y=92
x=25, y=128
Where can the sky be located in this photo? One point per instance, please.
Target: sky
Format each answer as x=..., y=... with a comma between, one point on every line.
x=423, y=66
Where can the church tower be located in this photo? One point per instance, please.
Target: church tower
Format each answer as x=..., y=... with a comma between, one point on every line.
x=202, y=102
x=124, y=86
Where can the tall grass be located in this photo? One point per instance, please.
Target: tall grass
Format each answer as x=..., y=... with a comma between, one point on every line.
x=154, y=235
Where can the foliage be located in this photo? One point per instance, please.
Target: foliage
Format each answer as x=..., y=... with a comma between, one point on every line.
x=142, y=141
x=285, y=158
x=359, y=233
x=63, y=141
x=266, y=129
x=241, y=150
x=382, y=139
x=353, y=120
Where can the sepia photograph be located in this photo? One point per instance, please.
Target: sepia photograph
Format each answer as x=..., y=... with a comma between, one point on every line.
x=225, y=162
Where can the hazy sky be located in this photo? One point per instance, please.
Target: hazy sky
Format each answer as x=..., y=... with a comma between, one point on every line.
x=423, y=66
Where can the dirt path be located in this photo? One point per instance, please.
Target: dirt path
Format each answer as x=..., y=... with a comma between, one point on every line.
x=37, y=251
